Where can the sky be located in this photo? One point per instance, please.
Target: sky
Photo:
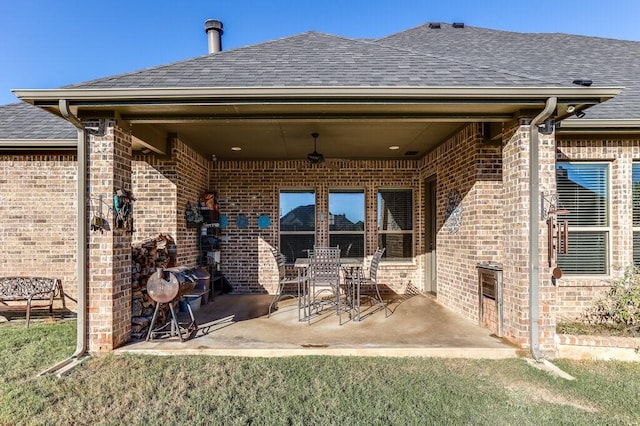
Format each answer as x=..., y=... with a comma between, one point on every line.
x=51, y=43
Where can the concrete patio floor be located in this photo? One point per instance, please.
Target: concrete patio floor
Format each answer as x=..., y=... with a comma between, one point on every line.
x=417, y=325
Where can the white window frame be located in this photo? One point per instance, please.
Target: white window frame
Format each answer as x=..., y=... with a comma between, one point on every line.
x=398, y=232
x=364, y=215
x=636, y=229
x=607, y=230
x=313, y=191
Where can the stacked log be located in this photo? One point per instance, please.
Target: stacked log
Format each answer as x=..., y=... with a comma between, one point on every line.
x=146, y=258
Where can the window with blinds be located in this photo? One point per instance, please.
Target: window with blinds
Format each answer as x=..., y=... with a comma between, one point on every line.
x=346, y=222
x=395, y=223
x=635, y=188
x=297, y=223
x=583, y=189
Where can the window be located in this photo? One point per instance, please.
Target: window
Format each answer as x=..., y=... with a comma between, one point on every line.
x=583, y=189
x=297, y=223
x=635, y=188
x=346, y=222
x=395, y=223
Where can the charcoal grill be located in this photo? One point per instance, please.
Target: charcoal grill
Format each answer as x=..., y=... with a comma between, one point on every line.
x=168, y=286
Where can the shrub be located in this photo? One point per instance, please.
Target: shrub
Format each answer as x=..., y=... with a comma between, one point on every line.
x=620, y=307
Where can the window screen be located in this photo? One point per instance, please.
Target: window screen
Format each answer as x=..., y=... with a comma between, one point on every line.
x=297, y=223
x=635, y=188
x=346, y=222
x=583, y=189
x=395, y=223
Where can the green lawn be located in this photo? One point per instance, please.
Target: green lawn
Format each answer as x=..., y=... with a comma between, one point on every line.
x=300, y=390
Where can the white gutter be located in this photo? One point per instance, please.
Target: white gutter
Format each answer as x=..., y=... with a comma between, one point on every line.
x=598, y=125
x=62, y=144
x=534, y=227
x=364, y=92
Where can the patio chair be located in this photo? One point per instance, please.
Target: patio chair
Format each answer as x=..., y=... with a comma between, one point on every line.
x=282, y=281
x=323, y=276
x=372, y=281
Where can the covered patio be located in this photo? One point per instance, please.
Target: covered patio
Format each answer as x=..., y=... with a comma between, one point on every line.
x=448, y=169
x=237, y=325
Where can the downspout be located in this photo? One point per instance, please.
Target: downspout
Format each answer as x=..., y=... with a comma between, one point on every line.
x=81, y=245
x=534, y=226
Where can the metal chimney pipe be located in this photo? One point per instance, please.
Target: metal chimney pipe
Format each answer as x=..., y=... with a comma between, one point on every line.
x=213, y=28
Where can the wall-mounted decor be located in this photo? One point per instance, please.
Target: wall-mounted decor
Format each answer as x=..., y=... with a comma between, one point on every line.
x=242, y=222
x=453, y=211
x=264, y=221
x=224, y=221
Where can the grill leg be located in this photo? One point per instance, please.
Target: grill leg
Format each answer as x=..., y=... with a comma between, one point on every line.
x=174, y=321
x=153, y=321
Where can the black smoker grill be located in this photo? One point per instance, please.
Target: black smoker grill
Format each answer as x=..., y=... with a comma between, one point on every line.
x=168, y=286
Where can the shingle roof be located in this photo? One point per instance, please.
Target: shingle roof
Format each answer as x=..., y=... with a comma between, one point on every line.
x=420, y=56
x=552, y=57
x=316, y=59
x=24, y=121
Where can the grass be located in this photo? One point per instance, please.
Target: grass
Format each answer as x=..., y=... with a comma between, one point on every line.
x=147, y=390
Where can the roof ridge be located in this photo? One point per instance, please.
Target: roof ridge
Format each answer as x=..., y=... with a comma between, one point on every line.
x=201, y=57
x=522, y=33
x=453, y=61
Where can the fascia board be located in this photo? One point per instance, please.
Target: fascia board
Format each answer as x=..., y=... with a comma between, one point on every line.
x=38, y=143
x=364, y=93
x=600, y=125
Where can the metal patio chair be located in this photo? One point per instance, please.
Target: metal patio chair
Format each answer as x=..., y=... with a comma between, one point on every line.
x=283, y=281
x=323, y=276
x=372, y=281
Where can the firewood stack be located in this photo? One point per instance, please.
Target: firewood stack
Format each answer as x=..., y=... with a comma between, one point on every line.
x=146, y=259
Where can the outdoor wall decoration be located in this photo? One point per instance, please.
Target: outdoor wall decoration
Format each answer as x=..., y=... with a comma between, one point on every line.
x=264, y=221
x=242, y=222
x=453, y=211
x=224, y=221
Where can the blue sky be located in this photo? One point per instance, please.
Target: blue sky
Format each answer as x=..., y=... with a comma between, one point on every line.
x=51, y=43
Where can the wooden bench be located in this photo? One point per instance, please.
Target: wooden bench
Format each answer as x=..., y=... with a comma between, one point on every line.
x=40, y=290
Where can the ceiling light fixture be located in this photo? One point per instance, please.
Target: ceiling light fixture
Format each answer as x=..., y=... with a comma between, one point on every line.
x=236, y=148
x=571, y=109
x=394, y=147
x=315, y=157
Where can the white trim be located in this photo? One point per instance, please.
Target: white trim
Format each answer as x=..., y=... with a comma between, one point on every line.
x=364, y=92
x=607, y=230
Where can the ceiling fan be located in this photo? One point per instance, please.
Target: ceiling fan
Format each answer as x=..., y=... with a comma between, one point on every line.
x=315, y=157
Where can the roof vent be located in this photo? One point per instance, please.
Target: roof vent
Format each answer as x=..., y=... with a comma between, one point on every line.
x=213, y=28
x=434, y=25
x=583, y=82
x=458, y=25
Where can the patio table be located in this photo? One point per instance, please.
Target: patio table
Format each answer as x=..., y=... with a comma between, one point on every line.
x=351, y=268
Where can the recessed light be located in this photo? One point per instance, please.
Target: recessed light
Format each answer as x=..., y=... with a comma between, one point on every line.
x=236, y=148
x=394, y=147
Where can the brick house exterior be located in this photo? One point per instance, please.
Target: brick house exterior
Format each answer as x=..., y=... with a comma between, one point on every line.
x=484, y=160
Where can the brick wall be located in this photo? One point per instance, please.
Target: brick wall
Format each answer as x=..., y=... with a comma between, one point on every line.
x=576, y=293
x=109, y=253
x=38, y=205
x=467, y=167
x=163, y=186
x=516, y=239
x=252, y=188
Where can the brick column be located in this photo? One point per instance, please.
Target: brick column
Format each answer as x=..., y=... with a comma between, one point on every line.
x=109, y=253
x=515, y=158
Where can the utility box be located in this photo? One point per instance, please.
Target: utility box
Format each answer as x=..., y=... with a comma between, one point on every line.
x=490, y=296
